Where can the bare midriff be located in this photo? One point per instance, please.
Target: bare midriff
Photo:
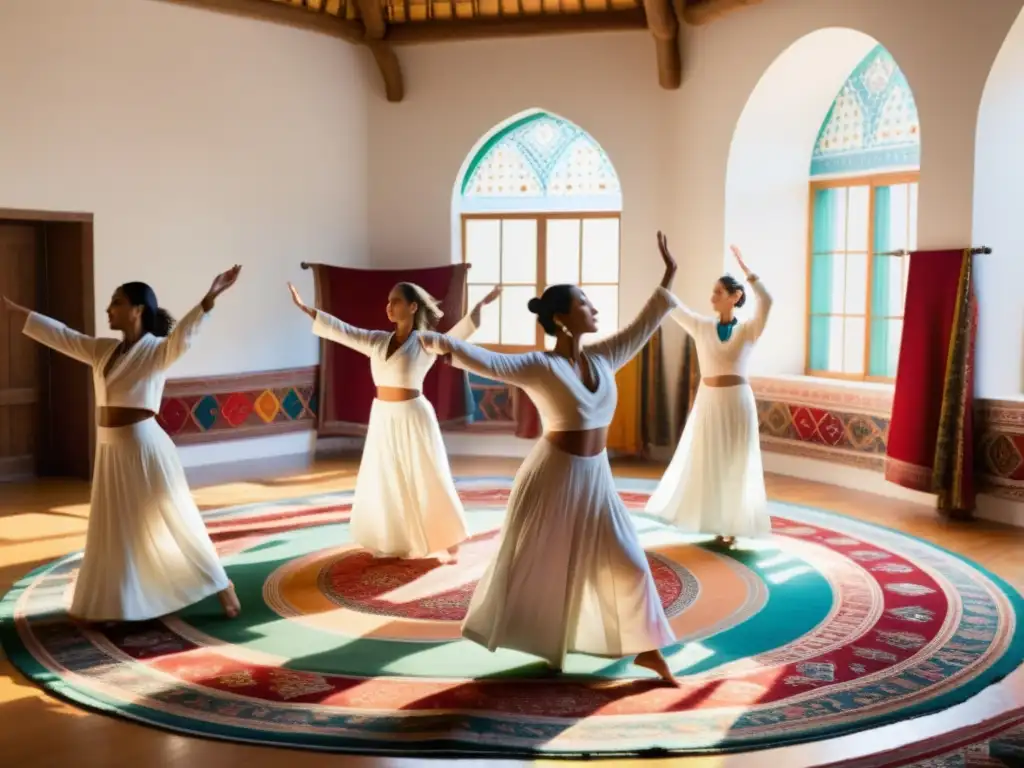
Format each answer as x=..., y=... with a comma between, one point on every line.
x=724, y=381
x=580, y=442
x=396, y=394
x=114, y=416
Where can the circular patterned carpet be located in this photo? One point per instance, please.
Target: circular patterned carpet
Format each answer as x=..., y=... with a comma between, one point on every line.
x=831, y=626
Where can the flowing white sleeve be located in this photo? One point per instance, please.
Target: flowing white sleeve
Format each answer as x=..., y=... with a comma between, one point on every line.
x=686, y=317
x=181, y=336
x=463, y=329
x=511, y=369
x=619, y=348
x=58, y=337
x=761, y=309
x=359, y=339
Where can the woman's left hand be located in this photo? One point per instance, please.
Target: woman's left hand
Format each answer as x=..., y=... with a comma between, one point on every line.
x=224, y=280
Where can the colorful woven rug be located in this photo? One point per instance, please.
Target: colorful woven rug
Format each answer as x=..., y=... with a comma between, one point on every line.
x=831, y=626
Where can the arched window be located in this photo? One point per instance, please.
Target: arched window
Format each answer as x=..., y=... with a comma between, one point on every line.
x=864, y=181
x=538, y=204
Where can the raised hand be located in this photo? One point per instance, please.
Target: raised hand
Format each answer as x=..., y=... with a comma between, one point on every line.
x=224, y=280
x=670, y=262
x=492, y=296
x=297, y=299
x=738, y=255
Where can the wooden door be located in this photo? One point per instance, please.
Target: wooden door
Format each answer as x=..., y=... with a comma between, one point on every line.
x=20, y=372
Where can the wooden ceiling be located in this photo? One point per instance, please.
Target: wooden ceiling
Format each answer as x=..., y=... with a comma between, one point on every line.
x=383, y=24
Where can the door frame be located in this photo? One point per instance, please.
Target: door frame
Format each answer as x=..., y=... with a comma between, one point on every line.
x=66, y=424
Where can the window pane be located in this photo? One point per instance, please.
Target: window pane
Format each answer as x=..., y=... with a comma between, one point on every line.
x=856, y=284
x=837, y=287
x=823, y=269
x=563, y=251
x=891, y=218
x=885, y=347
x=912, y=219
x=820, y=338
x=483, y=249
x=600, y=251
x=835, y=344
x=896, y=292
x=487, y=333
x=853, y=345
x=829, y=220
x=857, y=215
x=605, y=299
x=518, y=324
x=518, y=251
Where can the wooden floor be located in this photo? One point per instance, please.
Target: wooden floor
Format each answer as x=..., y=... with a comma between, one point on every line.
x=42, y=521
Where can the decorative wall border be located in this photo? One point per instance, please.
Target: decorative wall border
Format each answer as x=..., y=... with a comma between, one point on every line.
x=212, y=408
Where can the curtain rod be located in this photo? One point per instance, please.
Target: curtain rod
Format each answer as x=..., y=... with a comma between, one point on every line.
x=307, y=265
x=904, y=252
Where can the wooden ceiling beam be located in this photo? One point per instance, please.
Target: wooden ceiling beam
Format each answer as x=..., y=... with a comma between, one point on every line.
x=415, y=32
x=706, y=11
x=376, y=27
x=280, y=13
x=661, y=20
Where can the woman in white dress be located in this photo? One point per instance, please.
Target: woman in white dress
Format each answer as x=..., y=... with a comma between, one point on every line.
x=405, y=503
x=715, y=482
x=570, y=574
x=147, y=551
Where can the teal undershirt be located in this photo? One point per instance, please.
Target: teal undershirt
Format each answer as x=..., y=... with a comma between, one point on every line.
x=725, y=329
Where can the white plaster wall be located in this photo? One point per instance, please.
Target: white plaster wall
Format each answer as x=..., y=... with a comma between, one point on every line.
x=999, y=169
x=198, y=140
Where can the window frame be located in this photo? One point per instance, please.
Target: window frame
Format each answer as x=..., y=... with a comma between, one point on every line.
x=542, y=218
x=872, y=181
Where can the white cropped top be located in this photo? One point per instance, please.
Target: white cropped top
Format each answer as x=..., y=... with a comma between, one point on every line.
x=564, y=402
x=137, y=379
x=407, y=366
x=731, y=357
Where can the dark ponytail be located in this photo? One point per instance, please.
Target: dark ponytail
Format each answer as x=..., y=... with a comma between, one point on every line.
x=155, y=319
x=556, y=300
x=732, y=285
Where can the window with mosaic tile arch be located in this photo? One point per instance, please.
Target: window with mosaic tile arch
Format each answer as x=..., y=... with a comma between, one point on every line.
x=544, y=206
x=860, y=232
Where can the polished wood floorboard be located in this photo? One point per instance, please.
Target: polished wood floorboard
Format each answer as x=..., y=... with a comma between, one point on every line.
x=43, y=520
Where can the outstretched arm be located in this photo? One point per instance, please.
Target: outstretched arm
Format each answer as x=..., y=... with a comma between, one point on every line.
x=468, y=325
x=55, y=335
x=184, y=332
x=619, y=348
x=331, y=328
x=761, y=308
x=511, y=369
x=764, y=299
x=686, y=317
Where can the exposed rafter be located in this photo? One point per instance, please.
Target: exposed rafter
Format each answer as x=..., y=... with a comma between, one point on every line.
x=380, y=25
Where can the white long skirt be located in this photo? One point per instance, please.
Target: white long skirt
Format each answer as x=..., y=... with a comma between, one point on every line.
x=147, y=551
x=570, y=574
x=405, y=502
x=715, y=482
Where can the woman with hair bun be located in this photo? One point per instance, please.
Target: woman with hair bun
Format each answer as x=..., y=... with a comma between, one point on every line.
x=715, y=482
x=405, y=502
x=147, y=551
x=570, y=574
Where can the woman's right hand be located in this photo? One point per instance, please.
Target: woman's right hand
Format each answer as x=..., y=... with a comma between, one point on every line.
x=10, y=306
x=298, y=302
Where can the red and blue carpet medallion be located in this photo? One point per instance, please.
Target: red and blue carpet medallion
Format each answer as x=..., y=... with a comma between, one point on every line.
x=831, y=626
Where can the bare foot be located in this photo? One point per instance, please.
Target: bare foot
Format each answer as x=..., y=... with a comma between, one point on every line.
x=453, y=554
x=726, y=541
x=654, y=661
x=229, y=602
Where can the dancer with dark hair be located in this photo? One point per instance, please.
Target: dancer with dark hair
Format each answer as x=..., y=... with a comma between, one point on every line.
x=715, y=482
x=570, y=574
x=147, y=551
x=405, y=502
